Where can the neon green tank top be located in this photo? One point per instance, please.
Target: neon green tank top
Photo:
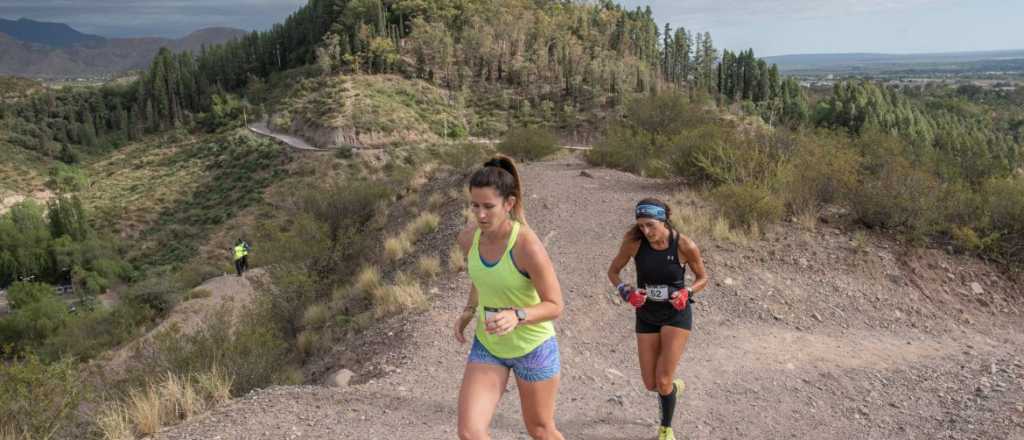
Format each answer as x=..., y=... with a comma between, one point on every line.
x=503, y=286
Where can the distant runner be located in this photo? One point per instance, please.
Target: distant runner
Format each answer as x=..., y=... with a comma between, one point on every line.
x=664, y=316
x=241, y=254
x=514, y=298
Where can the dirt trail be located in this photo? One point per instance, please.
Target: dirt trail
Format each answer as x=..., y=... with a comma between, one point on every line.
x=295, y=142
x=800, y=336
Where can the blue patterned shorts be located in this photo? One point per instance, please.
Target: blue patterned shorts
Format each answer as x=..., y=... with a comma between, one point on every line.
x=541, y=364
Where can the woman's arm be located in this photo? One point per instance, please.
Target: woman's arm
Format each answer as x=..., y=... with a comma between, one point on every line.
x=465, y=241
x=537, y=263
x=691, y=253
x=627, y=250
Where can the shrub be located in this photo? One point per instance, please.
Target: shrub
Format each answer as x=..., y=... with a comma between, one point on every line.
x=818, y=174
x=22, y=294
x=1004, y=201
x=396, y=247
x=428, y=266
x=529, y=143
x=747, y=205
x=197, y=272
x=316, y=315
x=159, y=292
x=456, y=259
x=39, y=400
x=405, y=294
x=31, y=325
x=425, y=223
x=900, y=197
x=248, y=348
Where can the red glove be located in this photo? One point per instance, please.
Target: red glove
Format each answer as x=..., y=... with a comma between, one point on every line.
x=637, y=298
x=680, y=298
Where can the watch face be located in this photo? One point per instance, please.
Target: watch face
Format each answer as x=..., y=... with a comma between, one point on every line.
x=521, y=314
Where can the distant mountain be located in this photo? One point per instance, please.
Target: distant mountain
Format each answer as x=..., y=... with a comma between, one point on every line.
x=50, y=34
x=89, y=55
x=854, y=61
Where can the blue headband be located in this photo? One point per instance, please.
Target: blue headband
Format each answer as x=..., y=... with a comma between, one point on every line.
x=651, y=211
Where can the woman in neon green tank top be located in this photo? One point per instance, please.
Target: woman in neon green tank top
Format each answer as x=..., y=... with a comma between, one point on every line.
x=514, y=297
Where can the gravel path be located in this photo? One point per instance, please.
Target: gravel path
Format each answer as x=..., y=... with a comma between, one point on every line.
x=801, y=335
x=295, y=142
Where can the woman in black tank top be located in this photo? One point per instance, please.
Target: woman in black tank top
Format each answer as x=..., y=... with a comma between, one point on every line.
x=664, y=315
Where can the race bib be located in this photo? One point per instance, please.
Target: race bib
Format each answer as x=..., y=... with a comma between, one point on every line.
x=658, y=293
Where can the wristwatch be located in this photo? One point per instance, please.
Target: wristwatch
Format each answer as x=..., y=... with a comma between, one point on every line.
x=521, y=314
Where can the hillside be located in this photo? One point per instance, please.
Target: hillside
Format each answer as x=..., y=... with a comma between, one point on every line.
x=50, y=34
x=806, y=333
x=97, y=57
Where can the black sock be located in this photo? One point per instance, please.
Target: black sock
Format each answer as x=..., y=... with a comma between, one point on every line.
x=668, y=407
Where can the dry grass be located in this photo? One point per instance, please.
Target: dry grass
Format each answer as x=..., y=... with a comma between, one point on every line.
x=9, y=433
x=435, y=201
x=456, y=259
x=114, y=423
x=173, y=399
x=396, y=247
x=215, y=386
x=316, y=315
x=198, y=293
x=144, y=410
x=368, y=278
x=428, y=266
x=808, y=218
x=307, y=341
x=698, y=221
x=426, y=223
x=404, y=295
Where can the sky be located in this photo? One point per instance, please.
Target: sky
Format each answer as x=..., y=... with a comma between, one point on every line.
x=770, y=27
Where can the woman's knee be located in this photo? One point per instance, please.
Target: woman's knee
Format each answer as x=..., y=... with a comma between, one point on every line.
x=664, y=384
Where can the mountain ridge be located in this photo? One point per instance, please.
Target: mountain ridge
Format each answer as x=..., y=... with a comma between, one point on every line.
x=21, y=56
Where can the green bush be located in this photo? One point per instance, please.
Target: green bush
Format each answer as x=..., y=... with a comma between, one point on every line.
x=89, y=333
x=160, y=291
x=38, y=400
x=1004, y=200
x=746, y=205
x=22, y=294
x=29, y=326
x=463, y=156
x=529, y=143
x=820, y=172
x=67, y=179
x=900, y=197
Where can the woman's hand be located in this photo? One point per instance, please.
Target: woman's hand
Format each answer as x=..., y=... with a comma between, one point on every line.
x=502, y=322
x=460, y=325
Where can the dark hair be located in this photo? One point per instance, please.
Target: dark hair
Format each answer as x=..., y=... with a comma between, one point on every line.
x=500, y=173
x=635, y=233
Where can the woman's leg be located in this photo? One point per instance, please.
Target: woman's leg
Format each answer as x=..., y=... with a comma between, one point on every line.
x=482, y=386
x=673, y=343
x=537, y=400
x=648, y=345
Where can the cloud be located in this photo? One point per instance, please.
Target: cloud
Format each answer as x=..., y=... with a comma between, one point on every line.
x=152, y=17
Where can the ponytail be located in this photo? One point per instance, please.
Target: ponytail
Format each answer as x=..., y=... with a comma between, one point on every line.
x=501, y=174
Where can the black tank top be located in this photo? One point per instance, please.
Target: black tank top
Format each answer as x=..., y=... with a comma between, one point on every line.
x=654, y=267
